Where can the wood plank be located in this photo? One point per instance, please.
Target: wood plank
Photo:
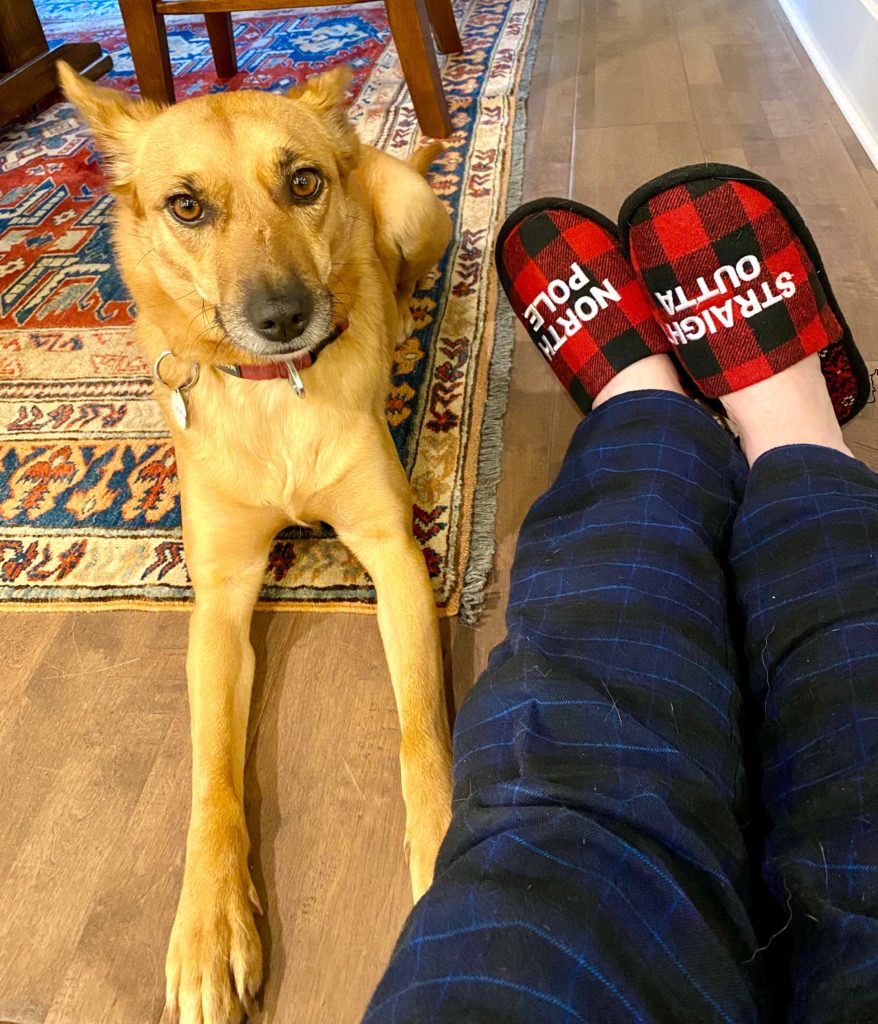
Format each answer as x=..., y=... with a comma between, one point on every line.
x=72, y=774
x=96, y=770
x=327, y=821
x=637, y=74
x=23, y=648
x=553, y=89
x=605, y=172
x=115, y=970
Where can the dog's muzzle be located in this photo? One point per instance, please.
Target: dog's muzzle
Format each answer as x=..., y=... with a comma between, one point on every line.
x=279, y=312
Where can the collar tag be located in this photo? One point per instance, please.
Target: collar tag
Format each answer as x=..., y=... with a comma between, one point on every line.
x=179, y=408
x=179, y=404
x=295, y=380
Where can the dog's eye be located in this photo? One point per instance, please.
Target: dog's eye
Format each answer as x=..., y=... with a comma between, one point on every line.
x=186, y=209
x=306, y=183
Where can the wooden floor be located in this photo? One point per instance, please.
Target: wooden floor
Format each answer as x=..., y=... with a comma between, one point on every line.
x=94, y=758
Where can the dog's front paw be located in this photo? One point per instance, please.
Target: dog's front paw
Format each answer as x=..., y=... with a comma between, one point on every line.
x=214, y=964
x=407, y=323
x=423, y=837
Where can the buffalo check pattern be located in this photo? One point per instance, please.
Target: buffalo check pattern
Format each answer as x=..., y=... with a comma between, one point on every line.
x=575, y=291
x=734, y=286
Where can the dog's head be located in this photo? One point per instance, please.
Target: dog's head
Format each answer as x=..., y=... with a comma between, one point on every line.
x=233, y=204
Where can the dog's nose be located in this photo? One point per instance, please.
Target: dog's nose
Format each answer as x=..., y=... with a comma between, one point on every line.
x=280, y=312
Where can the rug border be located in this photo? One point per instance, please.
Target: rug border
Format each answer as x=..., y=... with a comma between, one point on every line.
x=483, y=530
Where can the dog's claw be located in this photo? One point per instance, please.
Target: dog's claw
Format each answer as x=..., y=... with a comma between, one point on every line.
x=254, y=899
x=214, y=956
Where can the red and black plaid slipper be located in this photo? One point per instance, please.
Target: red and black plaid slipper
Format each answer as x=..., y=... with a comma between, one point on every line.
x=738, y=282
x=562, y=267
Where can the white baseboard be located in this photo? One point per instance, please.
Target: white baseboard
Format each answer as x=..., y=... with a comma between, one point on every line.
x=859, y=125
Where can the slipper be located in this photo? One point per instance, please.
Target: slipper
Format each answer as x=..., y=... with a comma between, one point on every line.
x=562, y=267
x=738, y=283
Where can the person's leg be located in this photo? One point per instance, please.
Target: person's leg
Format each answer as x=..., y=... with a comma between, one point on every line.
x=594, y=869
x=742, y=292
x=805, y=560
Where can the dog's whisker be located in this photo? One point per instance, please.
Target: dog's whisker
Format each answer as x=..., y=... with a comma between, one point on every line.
x=148, y=252
x=173, y=300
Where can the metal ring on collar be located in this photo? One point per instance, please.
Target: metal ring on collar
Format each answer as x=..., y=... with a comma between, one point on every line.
x=157, y=373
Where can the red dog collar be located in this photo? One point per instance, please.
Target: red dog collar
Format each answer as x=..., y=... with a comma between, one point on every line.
x=288, y=369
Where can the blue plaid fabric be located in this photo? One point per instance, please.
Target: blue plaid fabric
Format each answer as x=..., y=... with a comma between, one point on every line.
x=600, y=865
x=805, y=562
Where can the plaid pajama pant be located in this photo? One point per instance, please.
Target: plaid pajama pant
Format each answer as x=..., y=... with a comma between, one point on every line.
x=620, y=848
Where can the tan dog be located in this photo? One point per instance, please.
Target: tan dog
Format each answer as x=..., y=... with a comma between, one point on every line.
x=255, y=229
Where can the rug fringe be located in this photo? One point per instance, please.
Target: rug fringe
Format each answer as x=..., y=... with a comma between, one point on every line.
x=483, y=541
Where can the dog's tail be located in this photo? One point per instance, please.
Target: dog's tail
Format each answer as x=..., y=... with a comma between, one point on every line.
x=422, y=158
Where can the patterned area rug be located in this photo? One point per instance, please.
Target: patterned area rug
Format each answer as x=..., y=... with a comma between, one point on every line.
x=89, y=506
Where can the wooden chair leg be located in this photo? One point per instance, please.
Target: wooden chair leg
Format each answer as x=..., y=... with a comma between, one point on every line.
x=22, y=37
x=37, y=79
x=410, y=26
x=222, y=44
x=148, y=41
x=444, y=26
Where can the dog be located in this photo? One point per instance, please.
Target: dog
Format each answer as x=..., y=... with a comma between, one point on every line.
x=272, y=257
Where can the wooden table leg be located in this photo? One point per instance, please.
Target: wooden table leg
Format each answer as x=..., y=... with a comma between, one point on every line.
x=444, y=25
x=27, y=65
x=21, y=34
x=410, y=26
x=148, y=42
x=222, y=44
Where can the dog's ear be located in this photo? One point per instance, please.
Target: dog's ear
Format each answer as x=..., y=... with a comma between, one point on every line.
x=324, y=94
x=113, y=117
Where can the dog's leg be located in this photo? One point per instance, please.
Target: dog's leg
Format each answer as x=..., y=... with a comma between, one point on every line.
x=413, y=228
x=214, y=964
x=373, y=516
x=420, y=250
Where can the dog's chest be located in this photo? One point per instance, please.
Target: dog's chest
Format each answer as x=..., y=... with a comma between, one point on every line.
x=261, y=445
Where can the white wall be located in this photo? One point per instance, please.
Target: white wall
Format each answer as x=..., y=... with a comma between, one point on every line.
x=841, y=37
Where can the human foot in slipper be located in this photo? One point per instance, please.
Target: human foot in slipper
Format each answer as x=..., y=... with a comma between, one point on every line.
x=791, y=407
x=566, y=277
x=738, y=283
